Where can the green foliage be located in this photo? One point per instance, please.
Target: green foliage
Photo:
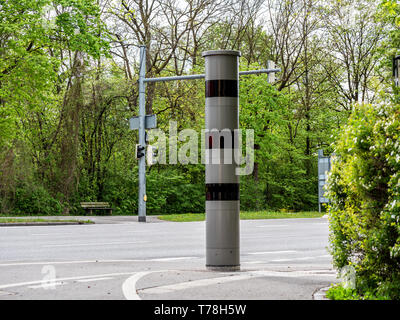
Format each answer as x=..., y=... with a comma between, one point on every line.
x=170, y=191
x=252, y=195
x=284, y=178
x=244, y=215
x=338, y=292
x=35, y=200
x=364, y=187
x=30, y=45
x=121, y=190
x=21, y=49
x=64, y=106
x=34, y=39
x=79, y=24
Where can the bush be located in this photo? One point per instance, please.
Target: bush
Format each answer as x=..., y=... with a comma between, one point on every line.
x=338, y=292
x=35, y=200
x=172, y=191
x=252, y=194
x=364, y=189
x=121, y=191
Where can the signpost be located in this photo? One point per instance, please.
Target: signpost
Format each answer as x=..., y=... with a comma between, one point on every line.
x=324, y=166
x=150, y=122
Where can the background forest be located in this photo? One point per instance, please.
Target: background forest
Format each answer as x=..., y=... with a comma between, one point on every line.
x=68, y=84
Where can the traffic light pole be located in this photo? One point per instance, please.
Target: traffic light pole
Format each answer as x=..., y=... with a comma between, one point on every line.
x=142, y=119
x=142, y=136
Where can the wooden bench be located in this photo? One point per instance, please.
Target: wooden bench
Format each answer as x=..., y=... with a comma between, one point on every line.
x=102, y=206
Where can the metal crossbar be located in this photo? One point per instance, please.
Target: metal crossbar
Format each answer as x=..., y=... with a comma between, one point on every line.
x=142, y=115
x=202, y=76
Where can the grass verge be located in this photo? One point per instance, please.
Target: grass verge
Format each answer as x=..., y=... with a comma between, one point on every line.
x=244, y=215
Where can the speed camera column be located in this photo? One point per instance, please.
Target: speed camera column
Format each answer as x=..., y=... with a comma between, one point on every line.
x=222, y=183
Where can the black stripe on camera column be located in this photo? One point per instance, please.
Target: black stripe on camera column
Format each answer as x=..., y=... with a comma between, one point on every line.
x=222, y=191
x=222, y=88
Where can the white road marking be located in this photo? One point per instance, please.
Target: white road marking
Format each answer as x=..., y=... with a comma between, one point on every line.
x=272, y=252
x=258, y=237
x=273, y=225
x=91, y=244
x=300, y=259
x=48, y=284
x=295, y=274
x=16, y=264
x=62, y=262
x=29, y=283
x=44, y=227
x=50, y=234
x=276, y=237
x=294, y=259
x=172, y=259
x=129, y=286
x=95, y=279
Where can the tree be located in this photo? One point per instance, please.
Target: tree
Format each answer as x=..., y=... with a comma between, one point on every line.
x=355, y=36
x=34, y=73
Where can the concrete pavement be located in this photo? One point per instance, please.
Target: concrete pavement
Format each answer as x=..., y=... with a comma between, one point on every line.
x=280, y=259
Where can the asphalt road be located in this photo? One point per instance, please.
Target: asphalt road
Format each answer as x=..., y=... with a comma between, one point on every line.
x=124, y=259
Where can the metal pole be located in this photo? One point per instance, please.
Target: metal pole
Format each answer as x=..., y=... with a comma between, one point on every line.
x=142, y=136
x=175, y=78
x=222, y=183
x=202, y=76
x=244, y=73
x=320, y=155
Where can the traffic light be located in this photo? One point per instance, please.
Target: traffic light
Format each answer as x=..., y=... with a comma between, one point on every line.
x=139, y=151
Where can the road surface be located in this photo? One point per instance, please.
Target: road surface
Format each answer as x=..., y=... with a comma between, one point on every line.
x=123, y=259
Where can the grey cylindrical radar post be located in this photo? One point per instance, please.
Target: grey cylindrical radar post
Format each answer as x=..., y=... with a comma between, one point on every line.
x=222, y=183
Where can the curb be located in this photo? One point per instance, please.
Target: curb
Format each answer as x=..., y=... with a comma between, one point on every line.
x=321, y=294
x=21, y=224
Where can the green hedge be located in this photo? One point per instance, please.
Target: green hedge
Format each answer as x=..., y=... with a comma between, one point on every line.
x=364, y=187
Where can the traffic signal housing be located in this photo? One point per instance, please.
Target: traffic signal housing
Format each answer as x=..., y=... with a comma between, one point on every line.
x=139, y=151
